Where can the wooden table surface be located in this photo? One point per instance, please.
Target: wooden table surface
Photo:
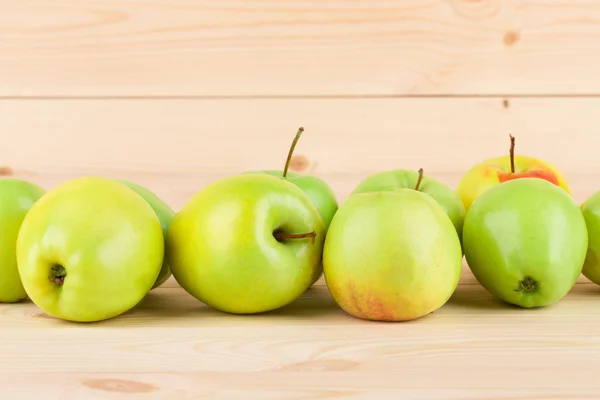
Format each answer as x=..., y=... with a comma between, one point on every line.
x=174, y=94
x=173, y=347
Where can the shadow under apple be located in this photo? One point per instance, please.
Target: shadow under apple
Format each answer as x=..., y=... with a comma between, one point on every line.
x=471, y=296
x=169, y=303
x=173, y=303
x=587, y=289
x=314, y=302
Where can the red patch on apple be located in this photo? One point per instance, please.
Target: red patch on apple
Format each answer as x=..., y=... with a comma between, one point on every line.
x=367, y=305
x=542, y=174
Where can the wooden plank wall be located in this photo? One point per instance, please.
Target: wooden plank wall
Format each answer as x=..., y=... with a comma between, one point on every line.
x=177, y=93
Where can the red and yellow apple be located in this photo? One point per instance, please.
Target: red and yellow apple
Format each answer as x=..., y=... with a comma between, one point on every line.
x=494, y=171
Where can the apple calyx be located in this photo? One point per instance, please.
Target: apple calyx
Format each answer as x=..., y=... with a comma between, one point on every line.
x=512, y=154
x=527, y=285
x=419, y=180
x=57, y=275
x=292, y=147
x=281, y=236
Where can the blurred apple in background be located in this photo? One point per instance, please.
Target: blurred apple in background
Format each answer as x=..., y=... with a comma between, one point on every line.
x=16, y=198
x=591, y=212
x=394, y=180
x=494, y=171
x=165, y=215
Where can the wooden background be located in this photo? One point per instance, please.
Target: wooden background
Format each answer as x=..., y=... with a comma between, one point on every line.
x=174, y=94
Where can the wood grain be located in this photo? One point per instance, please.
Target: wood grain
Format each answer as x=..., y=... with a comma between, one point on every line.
x=345, y=385
x=298, y=48
x=172, y=345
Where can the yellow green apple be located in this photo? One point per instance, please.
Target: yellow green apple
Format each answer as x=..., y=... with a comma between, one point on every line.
x=319, y=192
x=494, y=171
x=17, y=196
x=89, y=249
x=525, y=241
x=391, y=255
x=165, y=215
x=245, y=244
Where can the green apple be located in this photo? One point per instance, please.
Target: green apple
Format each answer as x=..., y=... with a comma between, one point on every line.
x=89, y=250
x=319, y=192
x=591, y=213
x=392, y=180
x=525, y=241
x=246, y=244
x=16, y=198
x=391, y=255
x=165, y=215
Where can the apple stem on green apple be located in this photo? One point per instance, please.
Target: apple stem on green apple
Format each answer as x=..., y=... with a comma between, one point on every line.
x=292, y=147
x=57, y=275
x=280, y=236
x=512, y=154
x=419, y=180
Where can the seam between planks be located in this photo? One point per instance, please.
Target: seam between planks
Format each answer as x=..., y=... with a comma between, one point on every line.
x=301, y=97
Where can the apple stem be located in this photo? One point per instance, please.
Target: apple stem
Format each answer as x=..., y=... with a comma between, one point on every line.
x=512, y=154
x=420, y=179
x=292, y=147
x=280, y=236
x=57, y=275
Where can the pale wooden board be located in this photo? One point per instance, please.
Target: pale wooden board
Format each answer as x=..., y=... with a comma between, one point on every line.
x=177, y=146
x=474, y=347
x=298, y=47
